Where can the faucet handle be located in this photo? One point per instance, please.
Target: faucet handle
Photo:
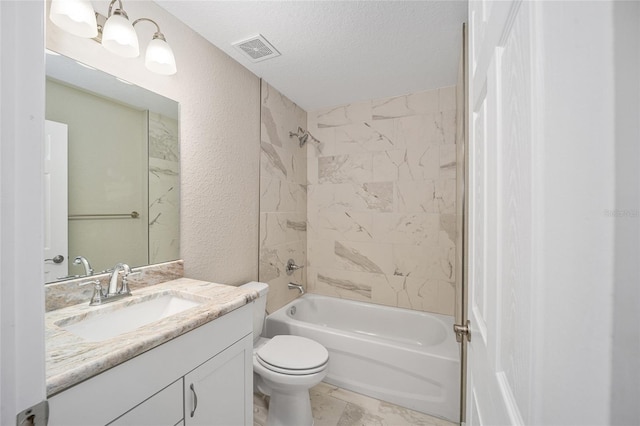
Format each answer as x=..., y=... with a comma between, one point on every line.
x=125, y=280
x=98, y=293
x=291, y=266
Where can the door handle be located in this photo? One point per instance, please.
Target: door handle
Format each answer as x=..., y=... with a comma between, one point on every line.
x=56, y=259
x=195, y=399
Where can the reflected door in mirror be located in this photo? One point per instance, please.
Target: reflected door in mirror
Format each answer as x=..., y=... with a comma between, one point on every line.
x=56, y=263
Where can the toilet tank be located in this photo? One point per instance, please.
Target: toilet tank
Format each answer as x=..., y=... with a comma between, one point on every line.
x=259, y=306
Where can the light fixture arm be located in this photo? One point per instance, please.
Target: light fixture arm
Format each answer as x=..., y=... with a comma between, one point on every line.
x=111, y=7
x=158, y=33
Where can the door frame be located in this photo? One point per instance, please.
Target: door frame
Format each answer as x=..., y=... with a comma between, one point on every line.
x=464, y=297
x=22, y=105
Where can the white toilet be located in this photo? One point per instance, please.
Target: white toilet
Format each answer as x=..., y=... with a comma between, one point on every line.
x=285, y=367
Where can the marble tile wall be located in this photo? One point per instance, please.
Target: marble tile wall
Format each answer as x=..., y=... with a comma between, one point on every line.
x=283, y=196
x=381, y=201
x=164, y=189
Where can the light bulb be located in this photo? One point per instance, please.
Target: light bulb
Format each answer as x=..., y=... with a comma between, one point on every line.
x=159, y=57
x=74, y=16
x=119, y=37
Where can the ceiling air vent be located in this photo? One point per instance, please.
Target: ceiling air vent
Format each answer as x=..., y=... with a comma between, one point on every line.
x=257, y=48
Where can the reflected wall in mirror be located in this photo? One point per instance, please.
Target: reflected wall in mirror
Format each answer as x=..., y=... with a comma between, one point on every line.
x=111, y=172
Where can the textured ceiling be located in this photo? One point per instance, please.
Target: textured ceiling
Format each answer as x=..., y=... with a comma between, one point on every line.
x=337, y=52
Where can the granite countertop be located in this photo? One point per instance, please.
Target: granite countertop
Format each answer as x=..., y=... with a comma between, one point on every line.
x=71, y=359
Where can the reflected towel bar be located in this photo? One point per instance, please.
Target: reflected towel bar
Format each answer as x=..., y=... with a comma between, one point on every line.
x=132, y=215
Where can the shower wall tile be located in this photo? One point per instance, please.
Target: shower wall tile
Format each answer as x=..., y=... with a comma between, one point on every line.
x=449, y=126
x=407, y=105
x=283, y=196
x=417, y=229
x=447, y=98
x=164, y=189
x=283, y=163
x=343, y=115
x=445, y=196
x=447, y=162
x=364, y=137
x=373, y=257
x=281, y=227
x=277, y=195
x=340, y=225
x=323, y=143
x=372, y=196
x=345, y=168
x=347, y=284
x=381, y=201
x=416, y=196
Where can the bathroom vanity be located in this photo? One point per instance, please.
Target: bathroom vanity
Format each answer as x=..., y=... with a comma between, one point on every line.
x=193, y=367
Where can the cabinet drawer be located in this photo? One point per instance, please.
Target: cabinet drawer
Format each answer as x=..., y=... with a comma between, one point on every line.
x=162, y=409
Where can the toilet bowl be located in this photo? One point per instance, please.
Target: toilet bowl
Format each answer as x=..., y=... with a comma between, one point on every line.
x=285, y=368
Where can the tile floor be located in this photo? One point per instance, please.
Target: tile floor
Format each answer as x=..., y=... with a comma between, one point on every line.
x=333, y=406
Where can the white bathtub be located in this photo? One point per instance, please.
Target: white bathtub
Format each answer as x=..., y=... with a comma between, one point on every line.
x=406, y=357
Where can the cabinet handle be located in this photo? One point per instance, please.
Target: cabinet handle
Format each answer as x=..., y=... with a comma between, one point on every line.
x=195, y=399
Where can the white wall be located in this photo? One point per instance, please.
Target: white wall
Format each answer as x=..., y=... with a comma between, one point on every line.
x=219, y=139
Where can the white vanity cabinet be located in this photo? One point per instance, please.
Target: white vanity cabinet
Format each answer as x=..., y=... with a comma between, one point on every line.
x=162, y=409
x=154, y=388
x=213, y=393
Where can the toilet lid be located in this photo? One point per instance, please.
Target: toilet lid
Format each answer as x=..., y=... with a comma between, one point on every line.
x=293, y=353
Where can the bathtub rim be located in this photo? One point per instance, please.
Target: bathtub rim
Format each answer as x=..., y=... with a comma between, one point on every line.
x=447, y=349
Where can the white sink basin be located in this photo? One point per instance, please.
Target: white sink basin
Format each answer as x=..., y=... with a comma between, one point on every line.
x=108, y=323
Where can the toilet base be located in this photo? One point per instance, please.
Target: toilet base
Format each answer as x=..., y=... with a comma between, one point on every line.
x=289, y=403
x=287, y=409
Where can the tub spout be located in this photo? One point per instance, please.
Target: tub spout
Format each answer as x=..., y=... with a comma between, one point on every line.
x=291, y=286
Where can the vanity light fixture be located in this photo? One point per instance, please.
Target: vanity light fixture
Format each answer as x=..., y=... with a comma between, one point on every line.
x=117, y=35
x=159, y=56
x=74, y=16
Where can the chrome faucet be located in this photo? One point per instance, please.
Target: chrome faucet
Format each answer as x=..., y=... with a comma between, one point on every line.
x=112, y=293
x=81, y=260
x=291, y=286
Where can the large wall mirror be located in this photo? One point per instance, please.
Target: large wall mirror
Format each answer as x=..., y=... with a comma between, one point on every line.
x=112, y=174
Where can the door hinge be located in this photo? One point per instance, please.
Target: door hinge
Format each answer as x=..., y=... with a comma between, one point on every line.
x=461, y=331
x=38, y=415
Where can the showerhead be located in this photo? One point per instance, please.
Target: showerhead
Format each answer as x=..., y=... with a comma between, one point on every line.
x=302, y=136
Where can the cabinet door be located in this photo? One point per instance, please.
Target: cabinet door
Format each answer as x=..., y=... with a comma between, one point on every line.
x=219, y=392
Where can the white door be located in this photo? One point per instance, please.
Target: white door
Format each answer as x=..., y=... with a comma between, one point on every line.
x=500, y=205
x=56, y=249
